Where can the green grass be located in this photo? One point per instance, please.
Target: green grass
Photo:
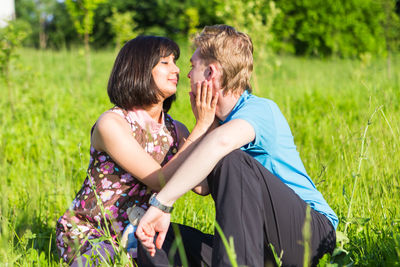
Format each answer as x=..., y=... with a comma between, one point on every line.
x=44, y=146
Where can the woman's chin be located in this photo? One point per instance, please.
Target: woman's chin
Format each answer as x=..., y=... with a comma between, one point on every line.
x=169, y=93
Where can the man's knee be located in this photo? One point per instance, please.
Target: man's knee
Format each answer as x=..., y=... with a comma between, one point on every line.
x=234, y=158
x=229, y=169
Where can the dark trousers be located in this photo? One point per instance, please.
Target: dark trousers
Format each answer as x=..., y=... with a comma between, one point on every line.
x=257, y=209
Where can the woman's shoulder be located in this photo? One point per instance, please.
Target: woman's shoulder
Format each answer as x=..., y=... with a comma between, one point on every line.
x=114, y=114
x=112, y=119
x=111, y=125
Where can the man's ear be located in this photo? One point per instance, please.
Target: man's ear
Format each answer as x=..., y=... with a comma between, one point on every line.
x=212, y=72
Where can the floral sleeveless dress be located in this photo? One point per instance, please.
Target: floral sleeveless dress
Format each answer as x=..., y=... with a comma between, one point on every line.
x=117, y=189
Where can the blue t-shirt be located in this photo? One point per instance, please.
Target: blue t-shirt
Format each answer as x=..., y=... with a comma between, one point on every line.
x=274, y=148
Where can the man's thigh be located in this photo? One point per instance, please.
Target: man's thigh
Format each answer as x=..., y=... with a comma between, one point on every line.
x=280, y=212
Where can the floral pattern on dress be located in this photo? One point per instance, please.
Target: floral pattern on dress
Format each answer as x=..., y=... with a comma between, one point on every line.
x=117, y=189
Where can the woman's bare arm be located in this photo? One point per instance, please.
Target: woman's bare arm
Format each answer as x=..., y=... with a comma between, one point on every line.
x=113, y=135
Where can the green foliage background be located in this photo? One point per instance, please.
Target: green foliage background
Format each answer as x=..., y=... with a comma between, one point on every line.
x=325, y=27
x=345, y=28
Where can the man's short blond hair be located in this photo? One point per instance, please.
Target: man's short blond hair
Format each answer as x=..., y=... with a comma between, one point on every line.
x=233, y=50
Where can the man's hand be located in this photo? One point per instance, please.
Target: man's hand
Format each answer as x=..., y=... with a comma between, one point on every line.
x=154, y=221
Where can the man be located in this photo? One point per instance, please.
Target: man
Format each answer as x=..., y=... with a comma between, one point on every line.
x=261, y=192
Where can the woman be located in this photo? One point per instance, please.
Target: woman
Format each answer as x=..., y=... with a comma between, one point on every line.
x=134, y=147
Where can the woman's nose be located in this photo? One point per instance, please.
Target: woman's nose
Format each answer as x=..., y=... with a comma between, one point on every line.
x=176, y=69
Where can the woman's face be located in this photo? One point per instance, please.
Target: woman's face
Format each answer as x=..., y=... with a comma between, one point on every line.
x=166, y=75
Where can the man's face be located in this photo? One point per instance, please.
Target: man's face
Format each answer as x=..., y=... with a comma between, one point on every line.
x=198, y=72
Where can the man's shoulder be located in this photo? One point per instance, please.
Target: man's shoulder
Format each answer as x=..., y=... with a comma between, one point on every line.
x=258, y=111
x=256, y=103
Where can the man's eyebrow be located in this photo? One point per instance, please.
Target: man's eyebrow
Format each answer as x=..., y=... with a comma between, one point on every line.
x=190, y=60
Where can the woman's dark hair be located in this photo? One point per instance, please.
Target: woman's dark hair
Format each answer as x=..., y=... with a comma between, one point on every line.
x=130, y=83
x=168, y=102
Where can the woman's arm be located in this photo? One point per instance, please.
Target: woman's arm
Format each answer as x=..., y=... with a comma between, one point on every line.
x=202, y=188
x=113, y=135
x=183, y=134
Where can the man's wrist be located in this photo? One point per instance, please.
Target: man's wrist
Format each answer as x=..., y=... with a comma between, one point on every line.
x=158, y=204
x=165, y=199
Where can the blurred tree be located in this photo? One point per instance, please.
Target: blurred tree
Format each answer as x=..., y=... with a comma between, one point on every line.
x=122, y=24
x=44, y=9
x=192, y=20
x=25, y=10
x=49, y=22
x=82, y=13
x=397, y=8
x=145, y=16
x=11, y=38
x=391, y=27
x=182, y=18
x=60, y=28
x=345, y=28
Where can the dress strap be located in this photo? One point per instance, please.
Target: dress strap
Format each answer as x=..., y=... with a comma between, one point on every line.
x=122, y=113
x=173, y=129
x=91, y=131
x=174, y=126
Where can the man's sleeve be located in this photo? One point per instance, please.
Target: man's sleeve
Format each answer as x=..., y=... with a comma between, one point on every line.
x=260, y=116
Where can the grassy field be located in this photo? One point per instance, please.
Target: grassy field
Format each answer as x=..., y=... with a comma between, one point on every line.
x=344, y=115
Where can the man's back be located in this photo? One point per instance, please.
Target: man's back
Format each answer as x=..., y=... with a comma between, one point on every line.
x=274, y=148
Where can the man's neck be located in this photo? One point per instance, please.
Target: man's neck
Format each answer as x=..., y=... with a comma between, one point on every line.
x=226, y=103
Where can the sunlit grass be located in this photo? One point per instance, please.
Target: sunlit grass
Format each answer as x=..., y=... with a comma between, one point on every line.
x=44, y=146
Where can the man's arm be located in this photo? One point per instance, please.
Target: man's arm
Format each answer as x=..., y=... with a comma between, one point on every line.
x=212, y=148
x=205, y=156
